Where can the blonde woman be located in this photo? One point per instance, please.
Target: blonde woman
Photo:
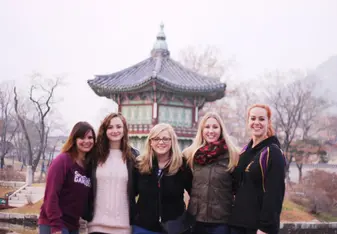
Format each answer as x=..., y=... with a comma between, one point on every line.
x=212, y=156
x=160, y=180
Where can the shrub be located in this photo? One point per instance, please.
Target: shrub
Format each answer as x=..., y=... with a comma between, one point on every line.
x=317, y=192
x=9, y=174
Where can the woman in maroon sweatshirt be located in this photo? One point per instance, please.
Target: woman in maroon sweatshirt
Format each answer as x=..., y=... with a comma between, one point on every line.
x=68, y=183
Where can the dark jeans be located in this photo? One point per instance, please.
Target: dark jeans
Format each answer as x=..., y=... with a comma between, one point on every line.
x=239, y=230
x=211, y=228
x=139, y=230
x=46, y=229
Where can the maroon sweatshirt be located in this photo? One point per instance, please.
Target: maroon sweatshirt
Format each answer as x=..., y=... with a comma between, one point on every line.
x=67, y=191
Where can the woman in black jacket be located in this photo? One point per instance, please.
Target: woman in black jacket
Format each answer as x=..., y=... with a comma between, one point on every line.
x=160, y=179
x=259, y=178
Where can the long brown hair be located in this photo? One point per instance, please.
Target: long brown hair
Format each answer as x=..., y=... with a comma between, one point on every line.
x=103, y=144
x=270, y=130
x=79, y=130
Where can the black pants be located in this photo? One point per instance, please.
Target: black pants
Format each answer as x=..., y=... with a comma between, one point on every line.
x=239, y=230
x=210, y=228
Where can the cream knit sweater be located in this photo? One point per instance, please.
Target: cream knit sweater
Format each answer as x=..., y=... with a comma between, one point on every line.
x=111, y=204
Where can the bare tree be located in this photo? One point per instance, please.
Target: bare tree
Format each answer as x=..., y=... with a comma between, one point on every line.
x=20, y=148
x=8, y=124
x=288, y=101
x=314, y=109
x=41, y=96
x=303, y=149
x=24, y=128
x=207, y=61
x=296, y=108
x=243, y=96
x=331, y=122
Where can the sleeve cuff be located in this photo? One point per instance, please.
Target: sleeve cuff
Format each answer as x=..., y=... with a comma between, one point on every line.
x=264, y=229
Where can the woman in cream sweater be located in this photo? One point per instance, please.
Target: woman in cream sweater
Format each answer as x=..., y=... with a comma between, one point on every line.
x=112, y=194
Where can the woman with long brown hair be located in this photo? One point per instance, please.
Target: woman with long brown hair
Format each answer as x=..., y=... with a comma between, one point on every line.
x=68, y=183
x=112, y=186
x=259, y=178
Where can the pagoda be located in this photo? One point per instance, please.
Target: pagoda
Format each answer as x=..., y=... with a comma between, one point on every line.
x=159, y=90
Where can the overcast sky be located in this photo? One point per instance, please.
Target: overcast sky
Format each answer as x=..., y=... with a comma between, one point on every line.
x=82, y=38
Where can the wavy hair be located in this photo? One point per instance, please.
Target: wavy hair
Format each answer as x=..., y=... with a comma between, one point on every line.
x=199, y=141
x=145, y=160
x=103, y=143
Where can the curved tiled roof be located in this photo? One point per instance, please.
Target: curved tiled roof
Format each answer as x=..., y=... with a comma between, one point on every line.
x=164, y=71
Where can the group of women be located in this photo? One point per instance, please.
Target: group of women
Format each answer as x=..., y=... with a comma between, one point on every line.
x=119, y=190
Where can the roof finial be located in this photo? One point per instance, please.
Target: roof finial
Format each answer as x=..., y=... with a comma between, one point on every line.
x=160, y=45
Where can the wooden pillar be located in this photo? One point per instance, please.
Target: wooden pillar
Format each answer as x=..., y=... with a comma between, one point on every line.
x=154, y=105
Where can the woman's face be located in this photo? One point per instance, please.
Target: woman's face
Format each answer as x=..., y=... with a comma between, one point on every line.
x=86, y=143
x=161, y=144
x=211, y=131
x=258, y=122
x=115, y=130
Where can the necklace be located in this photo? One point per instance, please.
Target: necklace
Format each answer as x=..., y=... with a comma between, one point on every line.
x=163, y=164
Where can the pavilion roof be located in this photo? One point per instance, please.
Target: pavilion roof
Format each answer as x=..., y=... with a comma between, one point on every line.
x=161, y=70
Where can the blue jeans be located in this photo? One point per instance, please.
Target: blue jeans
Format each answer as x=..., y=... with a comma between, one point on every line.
x=211, y=228
x=46, y=229
x=139, y=230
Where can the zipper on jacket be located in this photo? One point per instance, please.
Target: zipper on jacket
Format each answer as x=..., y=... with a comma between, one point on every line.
x=159, y=205
x=209, y=185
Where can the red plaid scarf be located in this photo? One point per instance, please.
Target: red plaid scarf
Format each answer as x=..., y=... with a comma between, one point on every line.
x=210, y=152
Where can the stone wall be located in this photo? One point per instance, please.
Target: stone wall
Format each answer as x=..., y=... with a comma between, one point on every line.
x=308, y=228
x=12, y=184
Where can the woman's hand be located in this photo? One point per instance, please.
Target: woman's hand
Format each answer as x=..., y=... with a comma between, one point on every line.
x=260, y=232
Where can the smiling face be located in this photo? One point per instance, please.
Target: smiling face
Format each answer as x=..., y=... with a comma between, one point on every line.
x=211, y=131
x=85, y=144
x=115, y=130
x=161, y=144
x=258, y=122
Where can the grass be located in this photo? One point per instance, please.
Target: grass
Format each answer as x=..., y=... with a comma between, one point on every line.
x=292, y=212
x=326, y=217
x=4, y=190
x=27, y=209
x=21, y=231
x=38, y=185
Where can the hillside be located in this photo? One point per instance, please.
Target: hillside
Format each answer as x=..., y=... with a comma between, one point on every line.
x=325, y=77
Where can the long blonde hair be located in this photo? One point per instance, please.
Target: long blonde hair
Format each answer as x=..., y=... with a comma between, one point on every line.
x=146, y=158
x=199, y=141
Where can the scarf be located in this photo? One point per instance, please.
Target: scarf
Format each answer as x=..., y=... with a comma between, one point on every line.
x=210, y=152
